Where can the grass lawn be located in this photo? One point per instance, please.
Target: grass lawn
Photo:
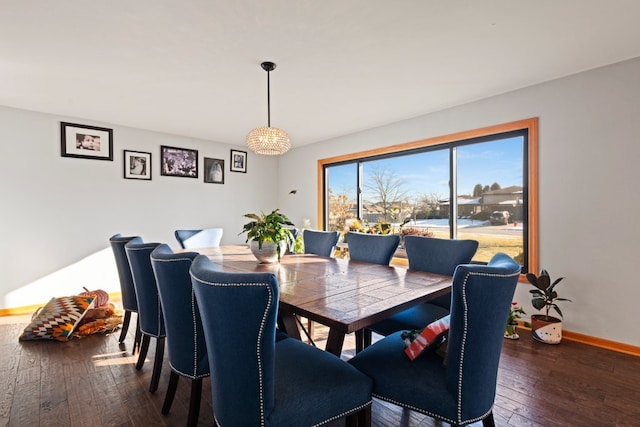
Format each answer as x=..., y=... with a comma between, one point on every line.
x=488, y=244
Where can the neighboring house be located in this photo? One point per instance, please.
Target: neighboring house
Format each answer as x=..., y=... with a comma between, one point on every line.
x=505, y=199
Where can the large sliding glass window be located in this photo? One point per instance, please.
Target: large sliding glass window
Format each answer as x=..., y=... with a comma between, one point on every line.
x=474, y=185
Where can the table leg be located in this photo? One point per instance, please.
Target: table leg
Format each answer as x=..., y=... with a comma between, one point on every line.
x=335, y=340
x=288, y=323
x=359, y=340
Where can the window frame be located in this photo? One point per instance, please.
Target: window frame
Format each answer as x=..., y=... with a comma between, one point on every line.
x=529, y=125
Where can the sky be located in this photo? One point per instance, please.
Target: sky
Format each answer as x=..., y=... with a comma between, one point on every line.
x=428, y=173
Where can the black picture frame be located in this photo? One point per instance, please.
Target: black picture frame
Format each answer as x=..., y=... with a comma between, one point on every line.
x=137, y=165
x=213, y=171
x=86, y=142
x=175, y=161
x=238, y=161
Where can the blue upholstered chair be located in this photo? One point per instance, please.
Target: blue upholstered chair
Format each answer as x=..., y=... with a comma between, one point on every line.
x=128, y=291
x=257, y=380
x=320, y=242
x=439, y=256
x=186, y=347
x=374, y=248
x=149, y=308
x=205, y=238
x=461, y=390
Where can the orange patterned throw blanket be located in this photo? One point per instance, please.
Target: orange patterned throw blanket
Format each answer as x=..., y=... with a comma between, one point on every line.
x=63, y=318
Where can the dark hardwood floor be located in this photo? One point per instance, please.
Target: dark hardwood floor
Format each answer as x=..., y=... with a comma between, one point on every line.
x=93, y=382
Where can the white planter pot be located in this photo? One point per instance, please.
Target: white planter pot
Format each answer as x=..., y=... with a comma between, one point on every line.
x=269, y=252
x=546, y=330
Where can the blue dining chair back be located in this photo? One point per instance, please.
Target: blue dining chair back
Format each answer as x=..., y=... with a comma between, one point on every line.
x=127, y=289
x=149, y=308
x=461, y=388
x=186, y=346
x=439, y=256
x=258, y=380
x=320, y=242
x=373, y=248
x=202, y=238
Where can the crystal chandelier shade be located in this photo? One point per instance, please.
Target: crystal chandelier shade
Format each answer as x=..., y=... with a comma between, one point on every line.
x=267, y=140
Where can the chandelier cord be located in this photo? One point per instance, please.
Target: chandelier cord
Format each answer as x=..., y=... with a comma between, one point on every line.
x=268, y=99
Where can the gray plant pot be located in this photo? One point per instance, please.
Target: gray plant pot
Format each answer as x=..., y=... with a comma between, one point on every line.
x=269, y=252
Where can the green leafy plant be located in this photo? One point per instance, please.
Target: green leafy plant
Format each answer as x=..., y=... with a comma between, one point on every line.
x=545, y=295
x=377, y=228
x=270, y=227
x=514, y=314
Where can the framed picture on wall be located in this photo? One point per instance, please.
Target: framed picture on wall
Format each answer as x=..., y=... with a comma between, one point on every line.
x=176, y=161
x=238, y=161
x=86, y=142
x=137, y=165
x=214, y=170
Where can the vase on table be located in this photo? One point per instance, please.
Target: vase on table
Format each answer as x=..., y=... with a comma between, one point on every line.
x=268, y=253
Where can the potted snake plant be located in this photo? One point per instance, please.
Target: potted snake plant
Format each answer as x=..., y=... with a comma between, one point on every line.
x=268, y=235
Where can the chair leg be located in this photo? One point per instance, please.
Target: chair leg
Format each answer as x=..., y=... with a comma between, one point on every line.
x=137, y=340
x=144, y=348
x=171, y=392
x=125, y=326
x=310, y=325
x=360, y=419
x=194, y=402
x=157, y=365
x=488, y=421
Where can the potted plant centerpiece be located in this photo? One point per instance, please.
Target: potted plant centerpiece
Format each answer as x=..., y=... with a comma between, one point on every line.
x=545, y=328
x=268, y=235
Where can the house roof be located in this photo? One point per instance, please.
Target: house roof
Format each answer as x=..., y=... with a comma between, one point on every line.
x=513, y=189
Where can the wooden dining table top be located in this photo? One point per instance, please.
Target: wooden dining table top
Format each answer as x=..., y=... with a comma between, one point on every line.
x=347, y=296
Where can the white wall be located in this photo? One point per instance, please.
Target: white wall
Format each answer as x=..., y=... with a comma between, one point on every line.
x=589, y=150
x=58, y=213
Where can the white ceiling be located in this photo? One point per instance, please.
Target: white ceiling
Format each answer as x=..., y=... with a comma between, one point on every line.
x=192, y=67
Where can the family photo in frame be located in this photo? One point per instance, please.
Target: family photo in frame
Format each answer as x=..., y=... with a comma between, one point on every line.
x=214, y=170
x=137, y=165
x=176, y=161
x=86, y=142
x=238, y=161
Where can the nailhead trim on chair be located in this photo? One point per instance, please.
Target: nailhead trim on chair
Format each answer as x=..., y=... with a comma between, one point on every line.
x=260, y=333
x=349, y=412
x=195, y=332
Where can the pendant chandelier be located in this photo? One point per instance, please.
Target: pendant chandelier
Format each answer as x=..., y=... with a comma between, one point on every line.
x=267, y=140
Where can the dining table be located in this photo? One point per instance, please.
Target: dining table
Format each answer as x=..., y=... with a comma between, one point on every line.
x=344, y=295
